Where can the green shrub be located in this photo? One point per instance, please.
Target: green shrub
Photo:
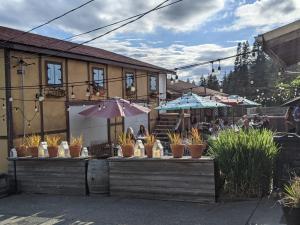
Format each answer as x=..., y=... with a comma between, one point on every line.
x=245, y=159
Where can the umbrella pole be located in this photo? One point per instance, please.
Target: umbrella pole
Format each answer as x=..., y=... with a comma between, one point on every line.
x=233, y=115
x=115, y=128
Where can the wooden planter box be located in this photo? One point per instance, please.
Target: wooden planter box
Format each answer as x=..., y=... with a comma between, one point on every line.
x=3, y=185
x=49, y=175
x=183, y=179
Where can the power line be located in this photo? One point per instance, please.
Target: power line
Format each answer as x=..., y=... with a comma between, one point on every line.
x=137, y=17
x=108, y=25
x=49, y=21
x=119, y=27
x=212, y=61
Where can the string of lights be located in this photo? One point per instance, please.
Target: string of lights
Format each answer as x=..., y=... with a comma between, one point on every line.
x=75, y=83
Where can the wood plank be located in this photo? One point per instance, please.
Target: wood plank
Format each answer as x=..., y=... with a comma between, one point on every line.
x=180, y=180
x=50, y=176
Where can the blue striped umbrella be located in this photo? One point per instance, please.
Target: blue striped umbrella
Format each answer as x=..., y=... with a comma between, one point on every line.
x=190, y=101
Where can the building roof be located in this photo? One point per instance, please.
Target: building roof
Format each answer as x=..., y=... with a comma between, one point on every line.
x=283, y=44
x=182, y=87
x=51, y=46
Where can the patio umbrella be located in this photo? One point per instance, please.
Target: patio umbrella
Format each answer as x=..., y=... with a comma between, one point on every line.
x=115, y=107
x=292, y=102
x=243, y=101
x=190, y=101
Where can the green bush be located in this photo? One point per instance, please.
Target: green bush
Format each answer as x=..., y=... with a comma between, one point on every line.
x=245, y=159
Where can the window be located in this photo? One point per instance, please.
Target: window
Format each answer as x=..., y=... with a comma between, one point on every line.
x=54, y=73
x=153, y=83
x=129, y=80
x=98, y=77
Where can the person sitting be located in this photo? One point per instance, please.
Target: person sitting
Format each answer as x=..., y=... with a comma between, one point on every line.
x=130, y=134
x=226, y=125
x=265, y=123
x=246, y=121
x=296, y=116
x=142, y=132
x=289, y=120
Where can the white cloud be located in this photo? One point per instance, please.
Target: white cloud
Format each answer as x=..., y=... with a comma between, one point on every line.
x=174, y=55
x=183, y=16
x=265, y=14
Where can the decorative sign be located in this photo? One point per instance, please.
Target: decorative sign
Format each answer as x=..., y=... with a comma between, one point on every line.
x=55, y=92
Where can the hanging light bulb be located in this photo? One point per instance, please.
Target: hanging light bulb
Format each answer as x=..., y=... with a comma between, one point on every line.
x=35, y=107
x=99, y=107
x=68, y=108
x=11, y=99
x=172, y=80
x=132, y=88
x=104, y=106
x=41, y=97
x=252, y=82
x=87, y=94
x=3, y=106
x=219, y=67
x=72, y=93
x=212, y=67
x=28, y=124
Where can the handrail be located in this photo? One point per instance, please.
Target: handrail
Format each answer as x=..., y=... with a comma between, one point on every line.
x=178, y=123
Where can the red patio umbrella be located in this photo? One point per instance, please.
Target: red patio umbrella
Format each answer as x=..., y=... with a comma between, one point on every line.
x=114, y=107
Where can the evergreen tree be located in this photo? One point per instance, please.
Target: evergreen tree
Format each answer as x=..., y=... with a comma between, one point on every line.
x=202, y=81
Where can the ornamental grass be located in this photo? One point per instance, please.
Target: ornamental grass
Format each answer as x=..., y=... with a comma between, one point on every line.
x=246, y=160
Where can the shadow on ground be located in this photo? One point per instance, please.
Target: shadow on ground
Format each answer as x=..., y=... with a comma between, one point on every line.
x=42, y=209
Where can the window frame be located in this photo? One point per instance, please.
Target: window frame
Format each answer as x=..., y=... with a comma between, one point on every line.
x=125, y=80
x=104, y=77
x=149, y=86
x=62, y=73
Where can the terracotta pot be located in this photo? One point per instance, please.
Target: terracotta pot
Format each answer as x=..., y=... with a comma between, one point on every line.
x=22, y=151
x=196, y=150
x=52, y=151
x=149, y=151
x=127, y=150
x=177, y=150
x=75, y=151
x=34, y=151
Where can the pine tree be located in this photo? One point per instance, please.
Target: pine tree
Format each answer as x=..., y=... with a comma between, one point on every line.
x=202, y=81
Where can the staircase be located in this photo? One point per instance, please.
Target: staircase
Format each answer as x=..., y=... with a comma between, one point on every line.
x=165, y=123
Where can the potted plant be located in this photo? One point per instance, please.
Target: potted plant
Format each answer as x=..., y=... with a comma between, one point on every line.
x=196, y=145
x=75, y=146
x=32, y=143
x=150, y=140
x=176, y=145
x=22, y=150
x=127, y=145
x=52, y=142
x=291, y=202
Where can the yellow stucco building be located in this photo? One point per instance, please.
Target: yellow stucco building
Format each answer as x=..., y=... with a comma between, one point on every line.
x=42, y=79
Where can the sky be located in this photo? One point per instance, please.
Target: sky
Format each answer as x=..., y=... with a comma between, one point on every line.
x=188, y=32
